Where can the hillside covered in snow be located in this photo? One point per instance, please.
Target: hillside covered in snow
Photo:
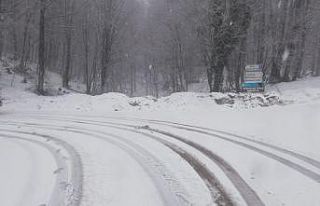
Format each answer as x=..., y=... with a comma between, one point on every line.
x=19, y=95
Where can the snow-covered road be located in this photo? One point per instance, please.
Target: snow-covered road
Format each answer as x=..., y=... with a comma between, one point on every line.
x=23, y=169
x=103, y=160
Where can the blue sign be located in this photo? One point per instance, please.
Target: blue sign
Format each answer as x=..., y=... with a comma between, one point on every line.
x=252, y=85
x=253, y=78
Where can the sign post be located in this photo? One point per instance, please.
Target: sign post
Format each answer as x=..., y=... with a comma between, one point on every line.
x=253, y=79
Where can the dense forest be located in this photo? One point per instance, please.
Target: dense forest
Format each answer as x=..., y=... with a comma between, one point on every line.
x=157, y=47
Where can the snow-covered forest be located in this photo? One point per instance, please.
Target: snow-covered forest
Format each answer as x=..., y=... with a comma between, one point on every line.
x=159, y=102
x=158, y=47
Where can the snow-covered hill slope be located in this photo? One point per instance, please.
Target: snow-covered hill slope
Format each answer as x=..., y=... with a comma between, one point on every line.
x=19, y=96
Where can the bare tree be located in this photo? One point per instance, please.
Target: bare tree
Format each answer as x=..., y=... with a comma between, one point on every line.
x=41, y=66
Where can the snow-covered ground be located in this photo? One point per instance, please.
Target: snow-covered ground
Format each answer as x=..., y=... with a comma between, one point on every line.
x=24, y=173
x=300, y=92
x=184, y=149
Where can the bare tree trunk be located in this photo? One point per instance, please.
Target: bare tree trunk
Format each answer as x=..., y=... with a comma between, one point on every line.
x=41, y=66
x=132, y=78
x=240, y=64
x=317, y=73
x=299, y=57
x=14, y=30
x=155, y=81
x=94, y=73
x=85, y=34
x=68, y=35
x=181, y=68
x=15, y=43
x=317, y=65
x=107, y=36
x=1, y=29
x=210, y=77
x=279, y=47
x=182, y=84
x=66, y=73
x=287, y=64
x=305, y=7
x=26, y=38
x=218, y=77
x=261, y=37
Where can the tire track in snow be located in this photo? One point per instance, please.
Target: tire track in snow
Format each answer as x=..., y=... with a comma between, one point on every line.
x=209, y=131
x=217, y=192
x=181, y=196
x=249, y=195
x=295, y=166
x=66, y=192
x=244, y=189
x=218, y=195
x=301, y=169
x=314, y=176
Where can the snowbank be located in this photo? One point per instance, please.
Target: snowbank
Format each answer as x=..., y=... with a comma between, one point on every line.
x=18, y=95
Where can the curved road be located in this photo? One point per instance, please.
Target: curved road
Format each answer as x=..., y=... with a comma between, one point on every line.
x=121, y=161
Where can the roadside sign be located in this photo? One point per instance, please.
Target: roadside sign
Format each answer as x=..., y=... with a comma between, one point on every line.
x=253, y=78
